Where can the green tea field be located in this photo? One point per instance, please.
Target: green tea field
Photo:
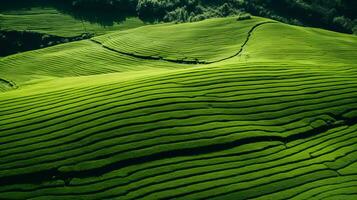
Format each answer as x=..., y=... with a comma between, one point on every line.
x=220, y=109
x=50, y=21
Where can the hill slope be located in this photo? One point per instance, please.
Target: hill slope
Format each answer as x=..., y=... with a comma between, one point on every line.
x=49, y=21
x=105, y=54
x=30, y=28
x=276, y=121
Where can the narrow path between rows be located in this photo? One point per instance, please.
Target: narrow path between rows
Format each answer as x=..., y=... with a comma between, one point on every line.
x=55, y=174
x=10, y=84
x=196, y=61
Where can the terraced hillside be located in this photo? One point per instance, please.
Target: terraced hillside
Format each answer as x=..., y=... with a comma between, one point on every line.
x=47, y=20
x=195, y=44
x=267, y=112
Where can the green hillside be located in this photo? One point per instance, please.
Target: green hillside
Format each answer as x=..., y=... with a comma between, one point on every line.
x=35, y=27
x=192, y=41
x=51, y=21
x=218, y=109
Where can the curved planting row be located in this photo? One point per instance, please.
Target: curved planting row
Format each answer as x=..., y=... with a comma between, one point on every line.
x=233, y=132
x=259, y=129
x=277, y=42
x=73, y=59
x=186, y=43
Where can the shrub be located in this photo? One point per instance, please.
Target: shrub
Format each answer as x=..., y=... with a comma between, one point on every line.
x=343, y=22
x=243, y=16
x=177, y=15
x=225, y=10
x=354, y=29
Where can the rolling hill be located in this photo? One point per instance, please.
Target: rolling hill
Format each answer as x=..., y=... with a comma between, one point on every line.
x=36, y=27
x=217, y=109
x=47, y=20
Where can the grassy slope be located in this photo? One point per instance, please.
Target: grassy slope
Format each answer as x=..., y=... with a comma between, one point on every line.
x=89, y=57
x=189, y=41
x=81, y=58
x=276, y=122
x=50, y=21
x=301, y=45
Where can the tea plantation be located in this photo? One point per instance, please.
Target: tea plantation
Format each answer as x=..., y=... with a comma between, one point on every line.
x=217, y=109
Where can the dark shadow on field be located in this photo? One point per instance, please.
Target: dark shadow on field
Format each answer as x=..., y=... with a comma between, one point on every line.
x=12, y=42
x=105, y=15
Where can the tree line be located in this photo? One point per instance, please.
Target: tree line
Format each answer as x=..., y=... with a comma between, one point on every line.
x=337, y=15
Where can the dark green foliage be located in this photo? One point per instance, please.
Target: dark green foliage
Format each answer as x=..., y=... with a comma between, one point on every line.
x=338, y=15
x=122, y=5
x=18, y=41
x=244, y=16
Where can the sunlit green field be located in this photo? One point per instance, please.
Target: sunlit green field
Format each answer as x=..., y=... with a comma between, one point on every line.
x=50, y=21
x=218, y=109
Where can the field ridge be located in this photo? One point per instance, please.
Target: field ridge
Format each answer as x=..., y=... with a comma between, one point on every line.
x=109, y=118
x=48, y=175
x=183, y=61
x=8, y=83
